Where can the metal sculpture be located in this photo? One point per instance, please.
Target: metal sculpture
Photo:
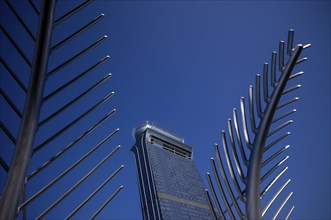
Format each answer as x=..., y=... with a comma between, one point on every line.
x=12, y=202
x=241, y=197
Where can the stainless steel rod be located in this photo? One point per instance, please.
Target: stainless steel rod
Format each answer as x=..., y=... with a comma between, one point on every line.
x=235, y=153
x=280, y=127
x=27, y=202
x=238, y=135
x=8, y=133
x=4, y=165
x=273, y=68
x=291, y=89
x=296, y=75
x=29, y=124
x=226, y=181
x=284, y=115
x=266, y=189
x=274, y=155
x=21, y=21
x=210, y=204
x=230, y=167
x=289, y=213
x=287, y=103
x=56, y=91
x=71, y=12
x=11, y=103
x=72, y=123
x=281, y=55
x=282, y=205
x=56, y=156
x=13, y=42
x=276, y=141
x=11, y=72
x=258, y=95
x=106, y=203
x=34, y=7
x=93, y=193
x=73, y=101
x=251, y=109
x=265, y=83
x=76, y=33
x=244, y=122
x=82, y=52
x=221, y=189
x=218, y=205
x=265, y=176
x=290, y=42
x=79, y=183
x=274, y=197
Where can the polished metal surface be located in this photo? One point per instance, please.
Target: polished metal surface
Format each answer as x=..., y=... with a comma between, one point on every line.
x=245, y=192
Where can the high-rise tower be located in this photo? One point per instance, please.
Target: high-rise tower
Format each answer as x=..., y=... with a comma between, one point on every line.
x=170, y=185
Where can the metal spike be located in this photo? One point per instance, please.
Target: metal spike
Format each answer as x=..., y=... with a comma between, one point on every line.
x=56, y=156
x=301, y=60
x=20, y=20
x=296, y=75
x=93, y=193
x=274, y=197
x=306, y=46
x=244, y=122
x=72, y=123
x=266, y=189
x=290, y=42
x=265, y=83
x=106, y=203
x=36, y=195
x=11, y=72
x=281, y=55
x=75, y=79
x=95, y=85
x=34, y=7
x=264, y=177
x=280, y=127
x=230, y=166
x=287, y=103
x=258, y=96
x=76, y=33
x=13, y=42
x=284, y=115
x=241, y=147
x=273, y=68
x=11, y=103
x=218, y=205
x=8, y=133
x=282, y=205
x=234, y=152
x=4, y=165
x=226, y=181
x=77, y=55
x=289, y=213
x=275, y=155
x=251, y=109
x=80, y=182
x=71, y=12
x=220, y=187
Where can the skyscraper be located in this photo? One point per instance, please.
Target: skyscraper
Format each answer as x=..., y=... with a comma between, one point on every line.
x=170, y=185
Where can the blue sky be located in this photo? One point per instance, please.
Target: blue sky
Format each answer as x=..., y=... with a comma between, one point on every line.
x=185, y=65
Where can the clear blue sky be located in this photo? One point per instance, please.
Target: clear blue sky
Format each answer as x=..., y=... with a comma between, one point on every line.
x=185, y=65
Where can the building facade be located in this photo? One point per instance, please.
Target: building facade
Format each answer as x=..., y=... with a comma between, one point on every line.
x=170, y=185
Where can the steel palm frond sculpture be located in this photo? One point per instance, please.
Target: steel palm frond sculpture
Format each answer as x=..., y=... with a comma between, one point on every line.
x=33, y=119
x=241, y=197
